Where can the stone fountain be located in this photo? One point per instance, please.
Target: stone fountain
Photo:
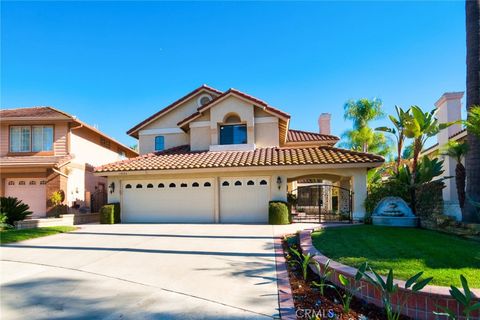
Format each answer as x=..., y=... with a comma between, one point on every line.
x=394, y=212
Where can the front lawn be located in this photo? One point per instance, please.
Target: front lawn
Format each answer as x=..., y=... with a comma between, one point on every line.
x=406, y=251
x=7, y=236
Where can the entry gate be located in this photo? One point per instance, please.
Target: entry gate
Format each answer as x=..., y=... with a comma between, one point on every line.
x=322, y=203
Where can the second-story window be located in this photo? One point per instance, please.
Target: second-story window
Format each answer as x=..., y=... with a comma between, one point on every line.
x=233, y=134
x=31, y=138
x=159, y=143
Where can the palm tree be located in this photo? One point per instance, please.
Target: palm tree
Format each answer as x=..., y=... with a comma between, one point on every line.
x=420, y=126
x=398, y=131
x=458, y=150
x=362, y=137
x=472, y=161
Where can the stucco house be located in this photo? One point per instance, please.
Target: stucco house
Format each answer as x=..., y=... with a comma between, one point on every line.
x=449, y=107
x=220, y=157
x=44, y=150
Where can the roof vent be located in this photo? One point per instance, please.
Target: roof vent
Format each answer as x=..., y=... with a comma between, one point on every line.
x=204, y=99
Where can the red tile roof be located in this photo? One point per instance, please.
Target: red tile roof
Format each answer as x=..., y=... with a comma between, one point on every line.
x=182, y=158
x=171, y=106
x=306, y=136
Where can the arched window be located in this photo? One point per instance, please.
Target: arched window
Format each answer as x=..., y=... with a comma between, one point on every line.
x=11, y=183
x=232, y=118
x=21, y=183
x=225, y=184
x=207, y=184
x=263, y=183
x=195, y=184
x=161, y=185
x=172, y=185
x=250, y=183
x=139, y=186
x=183, y=185
x=32, y=183
x=128, y=186
x=43, y=182
x=149, y=186
x=238, y=183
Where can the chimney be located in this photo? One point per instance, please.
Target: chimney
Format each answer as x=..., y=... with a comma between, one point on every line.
x=324, y=123
x=449, y=109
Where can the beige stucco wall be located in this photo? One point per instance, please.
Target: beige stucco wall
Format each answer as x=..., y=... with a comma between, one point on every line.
x=147, y=141
x=266, y=134
x=228, y=106
x=170, y=119
x=200, y=138
x=85, y=148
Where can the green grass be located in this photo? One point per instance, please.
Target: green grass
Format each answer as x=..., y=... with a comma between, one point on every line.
x=7, y=236
x=406, y=251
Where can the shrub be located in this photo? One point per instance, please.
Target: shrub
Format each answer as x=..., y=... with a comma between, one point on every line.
x=278, y=213
x=116, y=211
x=110, y=213
x=3, y=222
x=107, y=214
x=14, y=209
x=389, y=188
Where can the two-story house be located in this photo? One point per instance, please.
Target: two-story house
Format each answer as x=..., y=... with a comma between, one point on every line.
x=220, y=157
x=44, y=150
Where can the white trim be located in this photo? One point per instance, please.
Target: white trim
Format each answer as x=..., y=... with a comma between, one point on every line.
x=266, y=120
x=232, y=147
x=199, y=124
x=160, y=131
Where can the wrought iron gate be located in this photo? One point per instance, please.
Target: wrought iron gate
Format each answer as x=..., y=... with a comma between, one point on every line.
x=322, y=203
x=97, y=200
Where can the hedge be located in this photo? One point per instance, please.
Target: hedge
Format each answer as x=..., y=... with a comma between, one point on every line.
x=110, y=213
x=278, y=213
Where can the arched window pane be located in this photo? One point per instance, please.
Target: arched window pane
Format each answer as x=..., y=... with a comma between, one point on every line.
x=238, y=183
x=195, y=184
x=128, y=186
x=250, y=183
x=207, y=184
x=225, y=184
x=149, y=185
x=139, y=186
x=263, y=183
x=172, y=185
x=161, y=185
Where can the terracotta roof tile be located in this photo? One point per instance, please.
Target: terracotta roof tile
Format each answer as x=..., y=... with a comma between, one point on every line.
x=306, y=136
x=182, y=158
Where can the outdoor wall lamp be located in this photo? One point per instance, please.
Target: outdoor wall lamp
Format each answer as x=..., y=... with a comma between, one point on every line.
x=279, y=182
x=111, y=187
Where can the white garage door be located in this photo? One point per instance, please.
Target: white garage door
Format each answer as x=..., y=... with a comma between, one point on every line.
x=31, y=191
x=244, y=200
x=188, y=200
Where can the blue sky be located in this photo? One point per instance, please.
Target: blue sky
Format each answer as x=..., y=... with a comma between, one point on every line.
x=115, y=63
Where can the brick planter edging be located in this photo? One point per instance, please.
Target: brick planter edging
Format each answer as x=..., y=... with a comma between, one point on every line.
x=286, y=306
x=420, y=305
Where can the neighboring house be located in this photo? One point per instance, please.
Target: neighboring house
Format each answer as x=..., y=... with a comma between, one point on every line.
x=220, y=157
x=449, y=110
x=44, y=150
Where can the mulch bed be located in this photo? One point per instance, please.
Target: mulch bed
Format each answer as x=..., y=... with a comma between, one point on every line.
x=307, y=297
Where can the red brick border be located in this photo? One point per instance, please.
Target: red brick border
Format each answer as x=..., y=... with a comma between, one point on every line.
x=420, y=305
x=286, y=306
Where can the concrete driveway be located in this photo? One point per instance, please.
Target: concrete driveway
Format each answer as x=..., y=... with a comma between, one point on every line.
x=151, y=271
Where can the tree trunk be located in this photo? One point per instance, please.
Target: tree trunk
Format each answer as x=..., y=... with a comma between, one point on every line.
x=416, y=152
x=472, y=161
x=460, y=181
